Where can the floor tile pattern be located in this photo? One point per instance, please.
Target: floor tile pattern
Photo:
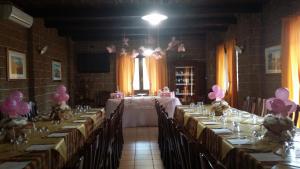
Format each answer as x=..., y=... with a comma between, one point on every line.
x=140, y=149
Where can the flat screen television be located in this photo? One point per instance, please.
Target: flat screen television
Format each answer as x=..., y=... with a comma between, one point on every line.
x=93, y=63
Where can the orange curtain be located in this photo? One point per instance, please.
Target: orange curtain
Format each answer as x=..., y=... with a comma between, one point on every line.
x=124, y=73
x=221, y=67
x=291, y=56
x=157, y=70
x=231, y=65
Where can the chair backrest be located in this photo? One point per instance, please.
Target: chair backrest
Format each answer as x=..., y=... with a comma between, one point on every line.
x=191, y=127
x=296, y=115
x=179, y=117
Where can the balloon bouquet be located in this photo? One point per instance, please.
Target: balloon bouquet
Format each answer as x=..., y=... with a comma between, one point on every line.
x=14, y=111
x=60, y=111
x=279, y=125
x=219, y=105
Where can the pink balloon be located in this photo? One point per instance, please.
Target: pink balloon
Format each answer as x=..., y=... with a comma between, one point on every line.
x=216, y=88
x=61, y=89
x=220, y=94
x=211, y=95
x=10, y=104
x=66, y=97
x=268, y=103
x=24, y=108
x=282, y=93
x=17, y=95
x=292, y=104
x=278, y=106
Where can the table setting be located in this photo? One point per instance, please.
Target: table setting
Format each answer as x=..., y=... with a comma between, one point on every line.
x=266, y=142
x=47, y=140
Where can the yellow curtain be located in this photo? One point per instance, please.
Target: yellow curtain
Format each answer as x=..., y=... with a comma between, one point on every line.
x=221, y=67
x=124, y=73
x=290, y=56
x=157, y=70
x=231, y=64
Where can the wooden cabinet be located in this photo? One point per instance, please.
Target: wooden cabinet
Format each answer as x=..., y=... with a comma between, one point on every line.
x=187, y=80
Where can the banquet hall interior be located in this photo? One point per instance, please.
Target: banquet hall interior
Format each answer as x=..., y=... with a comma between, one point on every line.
x=149, y=84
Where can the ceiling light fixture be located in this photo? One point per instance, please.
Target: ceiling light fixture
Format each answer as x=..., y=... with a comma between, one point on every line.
x=154, y=18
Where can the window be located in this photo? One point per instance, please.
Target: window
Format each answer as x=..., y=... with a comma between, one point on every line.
x=141, y=78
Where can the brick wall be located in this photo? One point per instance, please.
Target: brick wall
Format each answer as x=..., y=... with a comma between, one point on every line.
x=272, y=15
x=12, y=36
x=39, y=85
x=255, y=32
x=89, y=84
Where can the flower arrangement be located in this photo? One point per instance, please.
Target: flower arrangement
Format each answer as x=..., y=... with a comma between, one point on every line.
x=60, y=111
x=219, y=105
x=13, y=110
x=278, y=123
x=165, y=92
x=117, y=95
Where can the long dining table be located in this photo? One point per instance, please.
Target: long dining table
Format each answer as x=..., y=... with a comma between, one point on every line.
x=237, y=139
x=140, y=111
x=51, y=145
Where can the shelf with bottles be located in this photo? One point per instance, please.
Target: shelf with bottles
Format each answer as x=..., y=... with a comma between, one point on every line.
x=185, y=84
x=183, y=80
x=184, y=92
x=184, y=74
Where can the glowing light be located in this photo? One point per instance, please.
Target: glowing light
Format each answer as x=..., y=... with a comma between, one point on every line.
x=148, y=52
x=154, y=18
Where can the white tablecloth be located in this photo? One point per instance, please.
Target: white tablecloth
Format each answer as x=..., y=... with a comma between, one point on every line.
x=140, y=111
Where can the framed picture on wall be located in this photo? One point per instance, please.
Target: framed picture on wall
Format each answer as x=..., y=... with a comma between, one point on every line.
x=272, y=59
x=56, y=70
x=16, y=65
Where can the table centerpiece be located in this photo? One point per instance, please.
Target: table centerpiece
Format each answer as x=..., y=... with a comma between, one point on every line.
x=280, y=127
x=14, y=111
x=219, y=105
x=60, y=110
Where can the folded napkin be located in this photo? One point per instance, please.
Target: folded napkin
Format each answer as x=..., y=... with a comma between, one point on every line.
x=201, y=117
x=57, y=135
x=70, y=127
x=87, y=115
x=91, y=112
x=14, y=165
x=222, y=131
x=79, y=121
x=40, y=147
x=266, y=157
x=210, y=122
x=239, y=141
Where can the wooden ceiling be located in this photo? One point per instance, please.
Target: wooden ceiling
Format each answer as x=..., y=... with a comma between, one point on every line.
x=110, y=19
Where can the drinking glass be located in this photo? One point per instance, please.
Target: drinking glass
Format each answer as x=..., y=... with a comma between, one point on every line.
x=236, y=127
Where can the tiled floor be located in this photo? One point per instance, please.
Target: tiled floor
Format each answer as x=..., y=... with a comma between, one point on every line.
x=140, y=149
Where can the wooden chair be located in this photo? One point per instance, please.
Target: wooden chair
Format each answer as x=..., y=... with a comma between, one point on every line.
x=191, y=127
x=296, y=115
x=208, y=162
x=179, y=118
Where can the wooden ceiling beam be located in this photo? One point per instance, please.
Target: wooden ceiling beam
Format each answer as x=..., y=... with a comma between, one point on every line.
x=103, y=37
x=138, y=23
x=140, y=10
x=141, y=32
